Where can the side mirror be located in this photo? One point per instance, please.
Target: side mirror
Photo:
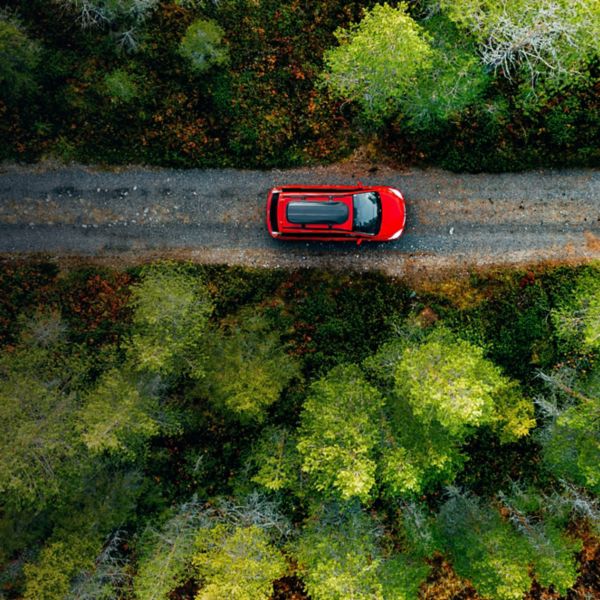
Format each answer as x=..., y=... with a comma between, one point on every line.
x=360, y=183
x=359, y=241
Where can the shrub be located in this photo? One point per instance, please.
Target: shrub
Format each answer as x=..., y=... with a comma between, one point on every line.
x=202, y=46
x=120, y=87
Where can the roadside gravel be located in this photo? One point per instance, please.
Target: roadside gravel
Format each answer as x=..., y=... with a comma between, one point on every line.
x=217, y=216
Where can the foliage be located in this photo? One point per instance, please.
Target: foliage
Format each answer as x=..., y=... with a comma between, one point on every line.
x=202, y=46
x=247, y=369
x=542, y=38
x=51, y=576
x=447, y=380
x=166, y=553
x=120, y=86
x=120, y=414
x=238, y=563
x=275, y=459
x=171, y=311
x=440, y=389
x=338, y=555
x=19, y=57
x=379, y=59
x=338, y=434
x=571, y=443
x=484, y=548
x=494, y=553
x=95, y=450
x=37, y=412
x=401, y=577
x=577, y=318
x=551, y=552
x=455, y=80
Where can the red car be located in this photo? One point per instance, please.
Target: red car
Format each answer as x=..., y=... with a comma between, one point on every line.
x=336, y=213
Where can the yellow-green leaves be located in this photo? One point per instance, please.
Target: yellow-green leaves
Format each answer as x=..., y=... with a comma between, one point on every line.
x=448, y=380
x=171, y=311
x=379, y=59
x=236, y=563
x=339, y=433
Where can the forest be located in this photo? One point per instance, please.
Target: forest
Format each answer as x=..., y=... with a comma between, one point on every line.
x=185, y=432
x=475, y=85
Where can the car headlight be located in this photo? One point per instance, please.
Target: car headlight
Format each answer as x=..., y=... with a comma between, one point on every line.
x=396, y=235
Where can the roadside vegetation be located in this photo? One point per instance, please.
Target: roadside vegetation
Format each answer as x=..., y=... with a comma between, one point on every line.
x=464, y=84
x=177, y=431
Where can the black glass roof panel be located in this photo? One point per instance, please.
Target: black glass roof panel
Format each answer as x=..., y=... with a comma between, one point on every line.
x=304, y=212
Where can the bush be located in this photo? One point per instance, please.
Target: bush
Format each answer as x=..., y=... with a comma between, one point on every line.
x=202, y=46
x=120, y=87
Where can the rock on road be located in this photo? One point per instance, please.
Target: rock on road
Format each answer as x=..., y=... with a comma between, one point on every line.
x=217, y=216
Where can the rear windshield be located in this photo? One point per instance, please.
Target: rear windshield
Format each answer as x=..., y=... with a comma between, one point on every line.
x=367, y=212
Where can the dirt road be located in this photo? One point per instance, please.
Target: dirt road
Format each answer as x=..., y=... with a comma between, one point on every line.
x=216, y=216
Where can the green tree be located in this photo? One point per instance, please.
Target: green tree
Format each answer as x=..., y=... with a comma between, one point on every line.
x=202, y=46
x=439, y=390
x=247, y=369
x=275, y=460
x=339, y=556
x=379, y=59
x=39, y=382
x=165, y=553
x=552, y=553
x=19, y=57
x=447, y=380
x=456, y=79
x=500, y=555
x=571, y=444
x=236, y=563
x=483, y=548
x=577, y=317
x=51, y=577
x=339, y=433
x=171, y=311
x=537, y=39
x=119, y=414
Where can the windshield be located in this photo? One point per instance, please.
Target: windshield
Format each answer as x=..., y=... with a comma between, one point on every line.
x=367, y=212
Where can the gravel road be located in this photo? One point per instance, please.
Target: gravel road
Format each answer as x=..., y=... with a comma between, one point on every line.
x=217, y=216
